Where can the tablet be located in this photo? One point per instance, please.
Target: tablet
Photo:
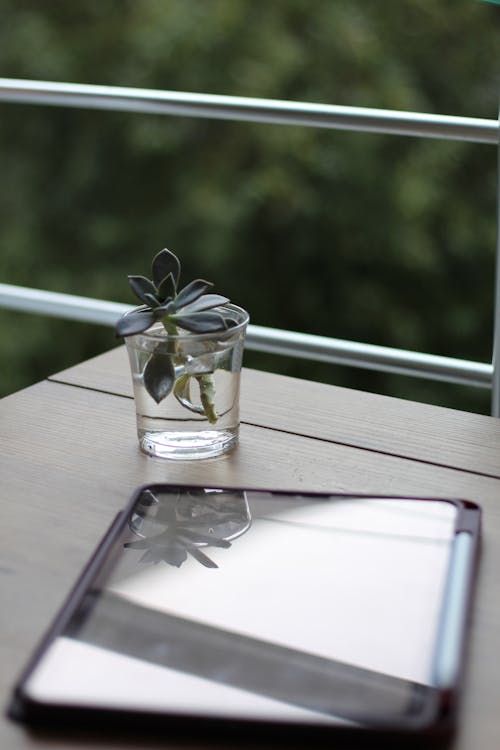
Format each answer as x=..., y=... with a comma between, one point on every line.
x=249, y=610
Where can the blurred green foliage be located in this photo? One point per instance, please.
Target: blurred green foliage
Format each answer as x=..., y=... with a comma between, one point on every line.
x=383, y=239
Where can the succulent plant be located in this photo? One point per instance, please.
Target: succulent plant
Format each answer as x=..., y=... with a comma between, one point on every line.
x=190, y=309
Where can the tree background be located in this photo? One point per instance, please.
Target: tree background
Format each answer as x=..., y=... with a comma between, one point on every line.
x=382, y=239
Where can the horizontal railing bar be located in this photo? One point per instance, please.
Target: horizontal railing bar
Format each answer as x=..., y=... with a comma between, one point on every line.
x=370, y=356
x=270, y=340
x=151, y=101
x=58, y=305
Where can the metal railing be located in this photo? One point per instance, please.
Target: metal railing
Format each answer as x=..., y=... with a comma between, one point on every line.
x=261, y=338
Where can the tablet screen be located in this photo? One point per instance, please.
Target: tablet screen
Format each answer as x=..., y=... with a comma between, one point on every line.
x=260, y=606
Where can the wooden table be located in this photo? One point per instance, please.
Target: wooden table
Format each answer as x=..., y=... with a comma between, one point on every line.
x=69, y=460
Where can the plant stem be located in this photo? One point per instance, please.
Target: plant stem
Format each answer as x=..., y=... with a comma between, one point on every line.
x=170, y=327
x=206, y=381
x=207, y=396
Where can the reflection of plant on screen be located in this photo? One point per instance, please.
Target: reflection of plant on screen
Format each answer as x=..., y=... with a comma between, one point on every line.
x=185, y=521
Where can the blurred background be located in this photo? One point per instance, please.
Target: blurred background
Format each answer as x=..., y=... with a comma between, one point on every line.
x=388, y=240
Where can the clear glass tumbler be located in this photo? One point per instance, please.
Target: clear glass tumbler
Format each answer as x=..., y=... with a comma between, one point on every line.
x=199, y=418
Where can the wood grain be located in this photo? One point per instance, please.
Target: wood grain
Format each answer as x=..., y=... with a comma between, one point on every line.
x=445, y=437
x=69, y=461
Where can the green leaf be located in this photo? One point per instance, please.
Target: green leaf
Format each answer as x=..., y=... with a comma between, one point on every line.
x=200, y=322
x=166, y=289
x=205, y=302
x=151, y=300
x=163, y=310
x=133, y=322
x=164, y=263
x=191, y=292
x=159, y=376
x=141, y=287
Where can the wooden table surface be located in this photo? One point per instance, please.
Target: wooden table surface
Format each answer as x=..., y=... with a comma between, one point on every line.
x=69, y=461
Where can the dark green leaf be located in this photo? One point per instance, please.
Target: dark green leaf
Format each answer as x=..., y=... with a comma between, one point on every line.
x=200, y=322
x=205, y=302
x=163, y=310
x=164, y=263
x=141, y=287
x=151, y=300
x=159, y=376
x=166, y=289
x=133, y=322
x=191, y=291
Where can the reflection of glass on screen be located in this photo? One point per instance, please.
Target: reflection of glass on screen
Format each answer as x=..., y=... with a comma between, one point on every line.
x=257, y=605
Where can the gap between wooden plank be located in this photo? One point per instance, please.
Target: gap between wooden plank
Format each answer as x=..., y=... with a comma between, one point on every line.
x=55, y=380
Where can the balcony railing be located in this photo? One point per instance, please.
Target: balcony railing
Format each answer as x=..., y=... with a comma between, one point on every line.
x=337, y=351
